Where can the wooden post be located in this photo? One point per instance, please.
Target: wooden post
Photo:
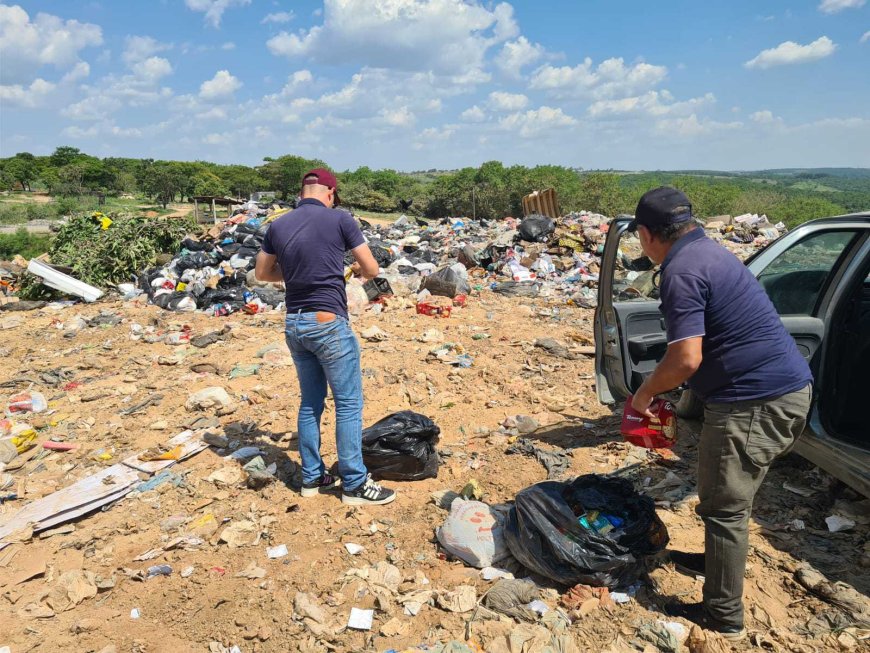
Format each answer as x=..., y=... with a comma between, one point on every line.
x=213, y=211
x=196, y=210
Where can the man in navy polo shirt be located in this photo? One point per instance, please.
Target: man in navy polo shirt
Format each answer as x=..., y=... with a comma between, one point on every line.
x=305, y=249
x=727, y=340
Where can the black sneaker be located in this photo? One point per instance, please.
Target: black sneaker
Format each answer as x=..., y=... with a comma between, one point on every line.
x=368, y=494
x=322, y=484
x=691, y=564
x=697, y=614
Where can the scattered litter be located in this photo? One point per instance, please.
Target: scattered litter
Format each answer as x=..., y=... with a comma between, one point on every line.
x=134, y=613
x=354, y=549
x=798, y=489
x=492, y=573
x=275, y=552
x=159, y=570
x=474, y=532
x=360, y=619
x=837, y=523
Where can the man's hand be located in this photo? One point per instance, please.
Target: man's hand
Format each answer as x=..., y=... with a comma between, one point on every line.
x=681, y=361
x=641, y=402
x=355, y=268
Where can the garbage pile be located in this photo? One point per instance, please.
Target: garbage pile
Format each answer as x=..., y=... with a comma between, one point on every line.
x=213, y=272
x=432, y=265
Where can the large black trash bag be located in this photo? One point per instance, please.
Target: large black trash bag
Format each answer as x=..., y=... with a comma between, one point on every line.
x=446, y=283
x=544, y=534
x=195, y=260
x=401, y=447
x=536, y=228
x=382, y=255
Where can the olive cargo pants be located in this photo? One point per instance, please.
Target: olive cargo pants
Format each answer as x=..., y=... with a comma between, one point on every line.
x=738, y=443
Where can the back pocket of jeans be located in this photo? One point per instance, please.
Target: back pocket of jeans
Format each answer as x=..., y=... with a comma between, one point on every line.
x=769, y=436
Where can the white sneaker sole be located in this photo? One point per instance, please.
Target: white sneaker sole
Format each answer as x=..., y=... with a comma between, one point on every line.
x=362, y=501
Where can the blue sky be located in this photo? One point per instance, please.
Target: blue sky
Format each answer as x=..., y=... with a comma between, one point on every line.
x=419, y=84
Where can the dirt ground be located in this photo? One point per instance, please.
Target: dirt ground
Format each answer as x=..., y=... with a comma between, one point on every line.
x=91, y=375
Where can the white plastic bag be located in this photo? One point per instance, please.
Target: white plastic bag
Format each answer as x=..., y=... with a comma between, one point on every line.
x=473, y=532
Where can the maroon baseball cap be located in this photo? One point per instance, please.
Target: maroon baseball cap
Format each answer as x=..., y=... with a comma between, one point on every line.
x=323, y=177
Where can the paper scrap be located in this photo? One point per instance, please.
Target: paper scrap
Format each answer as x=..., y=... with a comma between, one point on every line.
x=492, y=573
x=360, y=619
x=134, y=613
x=279, y=551
x=837, y=523
x=354, y=549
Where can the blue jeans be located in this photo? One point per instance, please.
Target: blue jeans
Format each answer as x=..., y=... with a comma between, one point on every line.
x=328, y=353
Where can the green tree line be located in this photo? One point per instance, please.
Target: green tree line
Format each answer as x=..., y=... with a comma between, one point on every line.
x=490, y=191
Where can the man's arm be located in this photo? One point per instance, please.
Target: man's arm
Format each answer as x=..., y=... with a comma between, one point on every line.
x=681, y=361
x=365, y=265
x=267, y=268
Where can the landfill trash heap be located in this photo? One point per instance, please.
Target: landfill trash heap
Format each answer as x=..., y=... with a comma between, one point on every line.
x=421, y=262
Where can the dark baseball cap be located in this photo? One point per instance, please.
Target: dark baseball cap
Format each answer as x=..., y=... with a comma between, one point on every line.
x=323, y=177
x=660, y=207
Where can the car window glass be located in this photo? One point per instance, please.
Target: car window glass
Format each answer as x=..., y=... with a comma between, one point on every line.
x=634, y=277
x=795, y=279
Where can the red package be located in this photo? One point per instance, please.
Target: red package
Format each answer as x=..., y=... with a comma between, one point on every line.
x=657, y=433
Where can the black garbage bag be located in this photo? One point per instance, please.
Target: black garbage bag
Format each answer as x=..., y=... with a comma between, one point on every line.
x=175, y=301
x=269, y=296
x=536, y=228
x=382, y=255
x=195, y=260
x=192, y=245
x=401, y=447
x=234, y=296
x=445, y=283
x=544, y=534
x=517, y=289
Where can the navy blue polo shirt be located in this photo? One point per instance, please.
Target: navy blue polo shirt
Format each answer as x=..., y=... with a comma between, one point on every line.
x=310, y=242
x=747, y=352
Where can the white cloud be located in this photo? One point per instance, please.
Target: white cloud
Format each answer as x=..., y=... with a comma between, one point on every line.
x=764, y=117
x=74, y=131
x=653, y=103
x=449, y=37
x=612, y=78
x=535, y=121
x=401, y=117
x=26, y=45
x=790, y=52
x=229, y=45
x=221, y=85
x=501, y=101
x=152, y=68
x=16, y=95
x=515, y=55
x=78, y=72
x=301, y=77
x=692, y=126
x=865, y=37
x=473, y=114
x=215, y=113
x=278, y=17
x=835, y=6
x=90, y=109
x=214, y=9
x=216, y=139
x=139, y=48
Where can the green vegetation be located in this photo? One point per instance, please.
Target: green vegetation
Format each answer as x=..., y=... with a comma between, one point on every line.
x=75, y=180
x=100, y=257
x=26, y=244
